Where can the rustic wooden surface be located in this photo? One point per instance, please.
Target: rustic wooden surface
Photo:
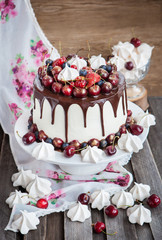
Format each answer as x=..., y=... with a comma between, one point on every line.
x=146, y=168
x=73, y=22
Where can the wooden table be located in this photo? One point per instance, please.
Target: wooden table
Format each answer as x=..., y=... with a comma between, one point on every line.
x=146, y=167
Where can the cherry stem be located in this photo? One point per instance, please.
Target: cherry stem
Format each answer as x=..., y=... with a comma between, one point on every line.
x=113, y=145
x=138, y=201
x=47, y=67
x=81, y=149
x=18, y=134
x=125, y=206
x=79, y=50
x=111, y=234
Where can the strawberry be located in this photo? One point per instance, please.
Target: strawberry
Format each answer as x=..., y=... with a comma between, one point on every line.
x=92, y=78
x=59, y=61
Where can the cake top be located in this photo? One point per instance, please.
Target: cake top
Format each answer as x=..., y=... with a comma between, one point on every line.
x=79, y=77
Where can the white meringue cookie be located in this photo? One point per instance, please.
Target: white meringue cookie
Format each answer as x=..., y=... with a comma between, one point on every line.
x=123, y=199
x=17, y=197
x=78, y=212
x=43, y=151
x=100, y=199
x=97, y=61
x=140, y=191
x=145, y=50
x=118, y=61
x=25, y=221
x=39, y=187
x=22, y=178
x=92, y=154
x=68, y=74
x=79, y=62
x=130, y=143
x=139, y=214
x=123, y=50
x=145, y=119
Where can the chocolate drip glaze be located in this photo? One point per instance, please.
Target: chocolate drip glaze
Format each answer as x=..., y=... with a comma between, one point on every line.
x=54, y=99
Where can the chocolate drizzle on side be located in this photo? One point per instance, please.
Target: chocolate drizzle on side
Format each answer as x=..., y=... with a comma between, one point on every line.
x=54, y=99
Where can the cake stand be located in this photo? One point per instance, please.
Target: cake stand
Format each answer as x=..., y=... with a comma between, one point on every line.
x=75, y=165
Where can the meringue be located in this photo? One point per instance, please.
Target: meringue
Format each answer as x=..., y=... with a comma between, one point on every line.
x=118, y=61
x=145, y=50
x=78, y=212
x=39, y=187
x=123, y=199
x=25, y=221
x=139, y=214
x=145, y=119
x=92, y=154
x=140, y=191
x=68, y=74
x=22, y=178
x=79, y=62
x=123, y=50
x=17, y=197
x=97, y=61
x=44, y=151
x=100, y=199
x=130, y=143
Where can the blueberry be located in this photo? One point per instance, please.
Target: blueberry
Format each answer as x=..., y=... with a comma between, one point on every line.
x=103, y=67
x=29, y=125
x=108, y=68
x=118, y=134
x=49, y=62
x=83, y=72
x=36, y=134
x=84, y=145
x=64, y=145
x=127, y=125
x=48, y=140
x=49, y=68
x=64, y=64
x=100, y=83
x=103, y=143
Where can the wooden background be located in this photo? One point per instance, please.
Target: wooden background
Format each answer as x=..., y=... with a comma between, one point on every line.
x=73, y=22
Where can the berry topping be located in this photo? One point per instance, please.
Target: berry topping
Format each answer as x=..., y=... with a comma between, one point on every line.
x=84, y=198
x=111, y=150
x=94, y=90
x=42, y=71
x=56, y=70
x=94, y=142
x=42, y=203
x=83, y=72
x=33, y=128
x=129, y=113
x=80, y=83
x=76, y=144
x=49, y=140
x=49, y=62
x=103, y=67
x=153, y=201
x=123, y=129
x=64, y=145
x=42, y=135
x=103, y=73
x=136, y=42
x=114, y=79
x=67, y=90
x=47, y=80
x=136, y=129
x=57, y=142
x=69, y=151
x=74, y=66
x=100, y=82
x=103, y=143
x=99, y=227
x=110, y=138
x=109, y=68
x=84, y=145
x=92, y=78
x=29, y=138
x=79, y=92
x=111, y=211
x=56, y=87
x=129, y=65
x=106, y=87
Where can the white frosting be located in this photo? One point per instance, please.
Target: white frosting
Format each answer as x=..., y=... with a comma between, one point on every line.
x=25, y=221
x=17, y=197
x=139, y=214
x=79, y=62
x=123, y=199
x=39, y=187
x=97, y=61
x=100, y=199
x=22, y=178
x=43, y=151
x=130, y=143
x=145, y=50
x=123, y=50
x=78, y=212
x=92, y=154
x=145, y=119
x=118, y=61
x=68, y=74
x=140, y=191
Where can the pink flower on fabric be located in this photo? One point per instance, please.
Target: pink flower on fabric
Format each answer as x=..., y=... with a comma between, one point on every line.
x=14, y=13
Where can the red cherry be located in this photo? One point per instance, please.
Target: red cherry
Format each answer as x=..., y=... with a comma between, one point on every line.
x=114, y=79
x=79, y=92
x=129, y=120
x=136, y=42
x=153, y=201
x=30, y=120
x=110, y=138
x=123, y=129
x=136, y=129
x=56, y=77
x=129, y=113
x=94, y=142
x=106, y=87
x=110, y=150
x=42, y=203
x=69, y=151
x=42, y=135
x=76, y=144
x=73, y=66
x=56, y=87
x=103, y=73
x=129, y=65
x=57, y=142
x=72, y=83
x=89, y=69
x=47, y=80
x=33, y=128
x=84, y=198
x=56, y=70
x=111, y=211
x=80, y=83
x=42, y=71
x=99, y=227
x=67, y=90
x=29, y=138
x=94, y=90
